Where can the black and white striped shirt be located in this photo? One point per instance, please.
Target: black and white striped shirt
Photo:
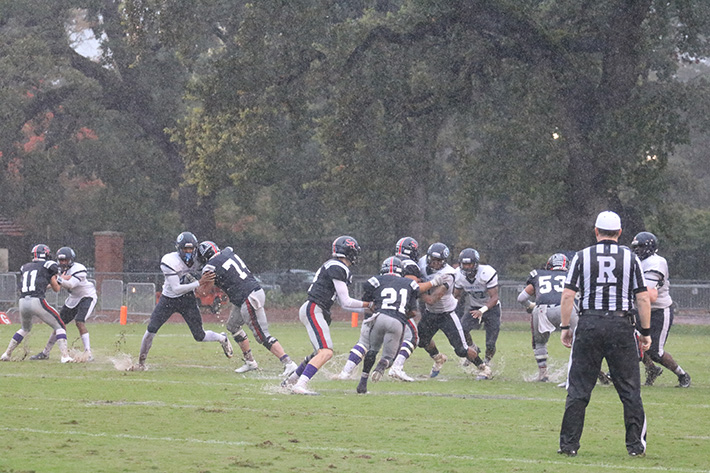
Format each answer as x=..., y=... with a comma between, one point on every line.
x=607, y=276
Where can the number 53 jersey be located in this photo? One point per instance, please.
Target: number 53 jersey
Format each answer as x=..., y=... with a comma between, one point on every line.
x=548, y=285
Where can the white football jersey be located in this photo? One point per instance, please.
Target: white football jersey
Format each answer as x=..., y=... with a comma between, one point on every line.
x=78, y=285
x=448, y=302
x=477, y=290
x=655, y=270
x=172, y=265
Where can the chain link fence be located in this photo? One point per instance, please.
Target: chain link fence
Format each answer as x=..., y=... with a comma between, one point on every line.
x=139, y=293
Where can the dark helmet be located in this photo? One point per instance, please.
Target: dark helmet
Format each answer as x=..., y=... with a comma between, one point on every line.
x=408, y=248
x=645, y=244
x=184, y=241
x=392, y=265
x=65, y=257
x=467, y=256
x=558, y=262
x=437, y=251
x=41, y=252
x=346, y=247
x=206, y=250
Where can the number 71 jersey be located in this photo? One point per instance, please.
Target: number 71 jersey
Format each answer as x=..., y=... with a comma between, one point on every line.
x=548, y=285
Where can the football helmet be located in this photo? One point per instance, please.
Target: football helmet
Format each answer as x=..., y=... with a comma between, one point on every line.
x=467, y=257
x=392, y=265
x=206, y=250
x=437, y=251
x=558, y=262
x=645, y=244
x=408, y=248
x=183, y=242
x=65, y=257
x=41, y=252
x=346, y=247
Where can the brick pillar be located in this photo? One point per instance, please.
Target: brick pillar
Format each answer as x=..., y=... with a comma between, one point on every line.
x=108, y=255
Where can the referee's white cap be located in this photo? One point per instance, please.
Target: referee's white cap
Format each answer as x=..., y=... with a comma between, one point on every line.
x=608, y=220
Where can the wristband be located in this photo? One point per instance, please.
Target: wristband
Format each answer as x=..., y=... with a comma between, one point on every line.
x=645, y=331
x=564, y=327
x=483, y=309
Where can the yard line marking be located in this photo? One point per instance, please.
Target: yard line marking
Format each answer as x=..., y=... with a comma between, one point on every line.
x=596, y=466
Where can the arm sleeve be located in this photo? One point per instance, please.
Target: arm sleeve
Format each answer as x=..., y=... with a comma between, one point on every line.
x=346, y=302
x=523, y=298
x=181, y=289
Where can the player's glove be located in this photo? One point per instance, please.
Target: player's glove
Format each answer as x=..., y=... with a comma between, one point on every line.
x=437, y=280
x=187, y=279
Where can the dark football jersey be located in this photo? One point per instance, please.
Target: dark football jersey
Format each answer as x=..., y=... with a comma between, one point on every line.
x=393, y=295
x=232, y=276
x=548, y=285
x=322, y=290
x=411, y=268
x=36, y=276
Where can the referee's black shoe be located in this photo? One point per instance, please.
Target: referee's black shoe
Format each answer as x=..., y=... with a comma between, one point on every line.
x=569, y=453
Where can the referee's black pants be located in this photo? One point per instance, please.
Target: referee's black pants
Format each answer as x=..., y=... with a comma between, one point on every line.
x=598, y=337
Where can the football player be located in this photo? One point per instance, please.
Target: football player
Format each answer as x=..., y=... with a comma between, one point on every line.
x=228, y=272
x=405, y=246
x=655, y=270
x=178, y=296
x=440, y=314
x=330, y=282
x=541, y=296
x=394, y=300
x=480, y=283
x=78, y=306
x=35, y=277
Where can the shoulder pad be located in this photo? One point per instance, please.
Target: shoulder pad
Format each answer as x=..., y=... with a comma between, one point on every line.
x=374, y=282
x=486, y=273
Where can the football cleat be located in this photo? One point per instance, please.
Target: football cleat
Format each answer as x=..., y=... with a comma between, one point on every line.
x=343, y=375
x=289, y=368
x=569, y=453
x=40, y=356
x=67, y=359
x=4, y=357
x=301, y=389
x=684, y=380
x=439, y=360
x=248, y=366
x=362, y=386
x=376, y=376
x=484, y=372
x=652, y=372
x=398, y=373
x=604, y=378
x=226, y=346
x=290, y=381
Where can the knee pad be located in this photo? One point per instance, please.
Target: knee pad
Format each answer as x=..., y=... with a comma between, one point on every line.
x=240, y=336
x=269, y=342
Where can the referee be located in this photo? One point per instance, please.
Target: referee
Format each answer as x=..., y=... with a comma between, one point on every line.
x=608, y=277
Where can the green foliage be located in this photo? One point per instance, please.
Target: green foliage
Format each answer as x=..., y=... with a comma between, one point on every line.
x=485, y=123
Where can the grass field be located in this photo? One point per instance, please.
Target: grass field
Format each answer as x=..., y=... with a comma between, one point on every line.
x=191, y=413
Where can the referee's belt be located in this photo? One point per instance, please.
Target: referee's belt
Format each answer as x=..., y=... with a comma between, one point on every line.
x=616, y=313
